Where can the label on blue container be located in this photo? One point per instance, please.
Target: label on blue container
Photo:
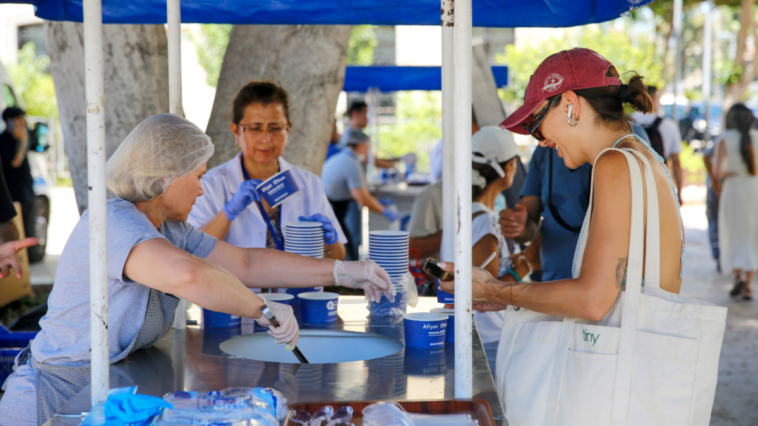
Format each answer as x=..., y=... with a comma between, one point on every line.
x=443, y=296
x=425, y=334
x=278, y=188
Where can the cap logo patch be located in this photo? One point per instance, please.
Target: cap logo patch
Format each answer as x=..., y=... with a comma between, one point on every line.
x=552, y=82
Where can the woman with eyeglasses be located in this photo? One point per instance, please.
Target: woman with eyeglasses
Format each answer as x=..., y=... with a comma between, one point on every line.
x=232, y=208
x=574, y=104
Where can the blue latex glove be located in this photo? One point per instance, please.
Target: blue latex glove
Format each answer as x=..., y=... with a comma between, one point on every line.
x=134, y=409
x=387, y=202
x=391, y=215
x=245, y=195
x=330, y=234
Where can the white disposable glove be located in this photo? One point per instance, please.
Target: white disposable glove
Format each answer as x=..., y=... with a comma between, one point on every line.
x=288, y=331
x=366, y=275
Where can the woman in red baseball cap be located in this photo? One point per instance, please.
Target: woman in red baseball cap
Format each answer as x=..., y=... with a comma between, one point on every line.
x=574, y=103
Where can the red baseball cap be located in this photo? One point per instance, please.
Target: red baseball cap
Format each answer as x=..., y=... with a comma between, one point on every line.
x=566, y=70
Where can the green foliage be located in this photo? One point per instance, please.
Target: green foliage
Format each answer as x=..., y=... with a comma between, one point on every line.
x=693, y=163
x=615, y=45
x=34, y=83
x=418, y=116
x=360, y=50
x=211, y=47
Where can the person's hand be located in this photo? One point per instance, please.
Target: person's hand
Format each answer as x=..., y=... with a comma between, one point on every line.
x=330, y=234
x=391, y=215
x=716, y=186
x=532, y=254
x=245, y=195
x=9, y=259
x=366, y=275
x=480, y=287
x=386, y=202
x=513, y=221
x=288, y=331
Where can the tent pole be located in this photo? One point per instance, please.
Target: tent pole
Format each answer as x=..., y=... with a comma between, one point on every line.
x=174, y=19
x=462, y=180
x=448, y=164
x=98, y=247
x=174, y=13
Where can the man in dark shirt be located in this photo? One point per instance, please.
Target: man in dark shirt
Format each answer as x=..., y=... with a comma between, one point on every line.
x=16, y=170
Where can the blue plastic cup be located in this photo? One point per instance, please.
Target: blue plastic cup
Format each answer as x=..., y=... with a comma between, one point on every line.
x=443, y=296
x=450, y=334
x=213, y=319
x=425, y=362
x=425, y=330
x=318, y=307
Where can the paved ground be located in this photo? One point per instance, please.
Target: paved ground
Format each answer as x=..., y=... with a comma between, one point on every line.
x=737, y=392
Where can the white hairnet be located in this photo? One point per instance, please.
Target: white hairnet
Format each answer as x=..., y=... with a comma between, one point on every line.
x=159, y=150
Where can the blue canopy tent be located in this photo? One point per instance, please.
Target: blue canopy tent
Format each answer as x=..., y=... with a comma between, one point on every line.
x=456, y=78
x=486, y=13
x=392, y=78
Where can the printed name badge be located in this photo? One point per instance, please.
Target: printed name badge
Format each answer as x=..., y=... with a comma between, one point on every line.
x=278, y=188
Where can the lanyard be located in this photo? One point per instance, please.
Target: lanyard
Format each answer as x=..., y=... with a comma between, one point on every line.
x=271, y=229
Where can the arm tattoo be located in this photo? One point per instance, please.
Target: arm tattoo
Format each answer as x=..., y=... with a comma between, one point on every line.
x=621, y=273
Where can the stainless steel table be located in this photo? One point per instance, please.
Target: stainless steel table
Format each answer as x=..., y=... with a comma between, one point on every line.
x=192, y=360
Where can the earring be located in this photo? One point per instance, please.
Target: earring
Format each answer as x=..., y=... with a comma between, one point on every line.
x=570, y=116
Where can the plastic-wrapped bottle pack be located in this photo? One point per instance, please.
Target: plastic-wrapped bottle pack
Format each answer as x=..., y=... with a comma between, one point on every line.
x=229, y=407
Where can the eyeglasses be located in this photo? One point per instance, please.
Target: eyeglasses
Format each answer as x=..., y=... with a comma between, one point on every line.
x=533, y=126
x=257, y=130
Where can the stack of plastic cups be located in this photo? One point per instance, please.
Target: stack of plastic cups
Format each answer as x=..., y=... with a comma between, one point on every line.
x=305, y=239
x=389, y=249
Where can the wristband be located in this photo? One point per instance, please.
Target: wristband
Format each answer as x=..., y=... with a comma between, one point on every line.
x=515, y=275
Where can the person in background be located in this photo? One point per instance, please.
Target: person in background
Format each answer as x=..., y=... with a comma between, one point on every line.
x=333, y=142
x=345, y=184
x=713, y=183
x=735, y=164
x=665, y=137
x=9, y=244
x=553, y=204
x=494, y=155
x=16, y=170
x=230, y=209
x=358, y=114
x=425, y=225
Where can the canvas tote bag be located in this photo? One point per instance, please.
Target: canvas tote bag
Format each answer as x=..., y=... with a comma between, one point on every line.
x=653, y=360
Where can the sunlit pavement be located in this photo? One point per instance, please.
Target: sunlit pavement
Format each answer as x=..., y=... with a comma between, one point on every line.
x=737, y=392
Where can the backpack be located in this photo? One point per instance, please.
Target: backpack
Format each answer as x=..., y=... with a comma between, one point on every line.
x=656, y=141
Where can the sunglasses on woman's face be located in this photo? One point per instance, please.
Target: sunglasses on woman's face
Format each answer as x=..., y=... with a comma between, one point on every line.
x=533, y=125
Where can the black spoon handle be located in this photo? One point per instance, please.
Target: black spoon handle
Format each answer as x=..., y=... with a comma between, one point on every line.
x=295, y=350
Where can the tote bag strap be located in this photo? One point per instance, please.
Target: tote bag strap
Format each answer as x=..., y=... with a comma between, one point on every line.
x=630, y=300
x=653, y=231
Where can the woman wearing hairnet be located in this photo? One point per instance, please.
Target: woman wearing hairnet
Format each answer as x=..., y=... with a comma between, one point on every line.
x=154, y=256
x=231, y=208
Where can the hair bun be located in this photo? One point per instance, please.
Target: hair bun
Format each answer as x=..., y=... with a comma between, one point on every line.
x=635, y=93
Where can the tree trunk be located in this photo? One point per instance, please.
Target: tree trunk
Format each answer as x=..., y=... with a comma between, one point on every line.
x=136, y=86
x=308, y=61
x=736, y=90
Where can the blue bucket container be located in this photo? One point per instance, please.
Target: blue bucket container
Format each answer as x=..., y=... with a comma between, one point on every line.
x=450, y=333
x=443, y=296
x=318, y=307
x=424, y=330
x=213, y=319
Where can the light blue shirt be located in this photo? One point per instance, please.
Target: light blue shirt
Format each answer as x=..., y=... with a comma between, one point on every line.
x=65, y=335
x=342, y=173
